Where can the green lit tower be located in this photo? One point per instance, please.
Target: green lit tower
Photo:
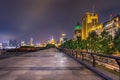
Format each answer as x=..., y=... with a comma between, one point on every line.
x=77, y=32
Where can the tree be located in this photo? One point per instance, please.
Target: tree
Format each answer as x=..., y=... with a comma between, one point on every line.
x=102, y=43
x=93, y=42
x=84, y=45
x=105, y=43
x=117, y=40
x=70, y=44
x=50, y=46
x=78, y=44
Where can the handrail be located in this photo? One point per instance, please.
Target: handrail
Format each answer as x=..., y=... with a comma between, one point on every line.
x=75, y=53
x=98, y=54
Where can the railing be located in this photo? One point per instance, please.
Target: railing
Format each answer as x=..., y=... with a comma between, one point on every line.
x=112, y=62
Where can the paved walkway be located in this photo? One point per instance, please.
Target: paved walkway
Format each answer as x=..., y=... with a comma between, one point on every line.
x=44, y=65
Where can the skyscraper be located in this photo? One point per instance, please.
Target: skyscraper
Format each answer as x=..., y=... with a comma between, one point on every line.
x=10, y=44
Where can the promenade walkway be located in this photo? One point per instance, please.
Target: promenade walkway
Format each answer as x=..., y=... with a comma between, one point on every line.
x=44, y=65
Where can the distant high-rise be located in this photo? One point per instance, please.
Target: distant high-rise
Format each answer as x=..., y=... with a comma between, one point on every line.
x=89, y=21
x=13, y=43
x=1, y=47
x=31, y=42
x=23, y=43
x=10, y=44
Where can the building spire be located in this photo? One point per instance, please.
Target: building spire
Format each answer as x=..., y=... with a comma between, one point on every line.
x=52, y=41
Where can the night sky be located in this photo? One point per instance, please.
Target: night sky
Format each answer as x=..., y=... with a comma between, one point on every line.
x=42, y=19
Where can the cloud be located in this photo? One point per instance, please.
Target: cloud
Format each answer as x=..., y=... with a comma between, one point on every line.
x=44, y=18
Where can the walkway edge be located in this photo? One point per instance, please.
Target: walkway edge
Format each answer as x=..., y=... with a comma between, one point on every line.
x=92, y=69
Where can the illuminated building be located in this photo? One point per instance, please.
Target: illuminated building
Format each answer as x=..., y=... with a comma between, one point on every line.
x=1, y=47
x=63, y=35
x=112, y=26
x=62, y=39
x=52, y=41
x=41, y=45
x=9, y=44
x=13, y=43
x=31, y=42
x=5, y=44
x=77, y=32
x=89, y=23
x=98, y=28
x=23, y=43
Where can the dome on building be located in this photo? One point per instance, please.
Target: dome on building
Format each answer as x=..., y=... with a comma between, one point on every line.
x=78, y=27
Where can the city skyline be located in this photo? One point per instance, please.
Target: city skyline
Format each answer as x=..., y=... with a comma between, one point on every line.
x=41, y=20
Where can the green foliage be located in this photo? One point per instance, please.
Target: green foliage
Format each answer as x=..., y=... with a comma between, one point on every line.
x=106, y=42
x=50, y=46
x=117, y=40
x=93, y=42
x=69, y=44
x=75, y=44
x=102, y=43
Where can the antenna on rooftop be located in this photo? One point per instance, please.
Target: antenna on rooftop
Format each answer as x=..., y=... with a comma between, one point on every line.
x=93, y=7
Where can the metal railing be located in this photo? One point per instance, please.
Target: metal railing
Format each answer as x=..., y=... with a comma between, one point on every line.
x=95, y=58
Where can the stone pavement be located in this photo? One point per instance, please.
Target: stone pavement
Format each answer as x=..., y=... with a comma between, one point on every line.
x=44, y=65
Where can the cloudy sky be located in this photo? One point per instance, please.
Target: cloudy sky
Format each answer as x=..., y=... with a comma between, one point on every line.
x=42, y=19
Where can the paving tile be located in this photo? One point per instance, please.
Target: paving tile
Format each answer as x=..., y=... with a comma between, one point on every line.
x=44, y=65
